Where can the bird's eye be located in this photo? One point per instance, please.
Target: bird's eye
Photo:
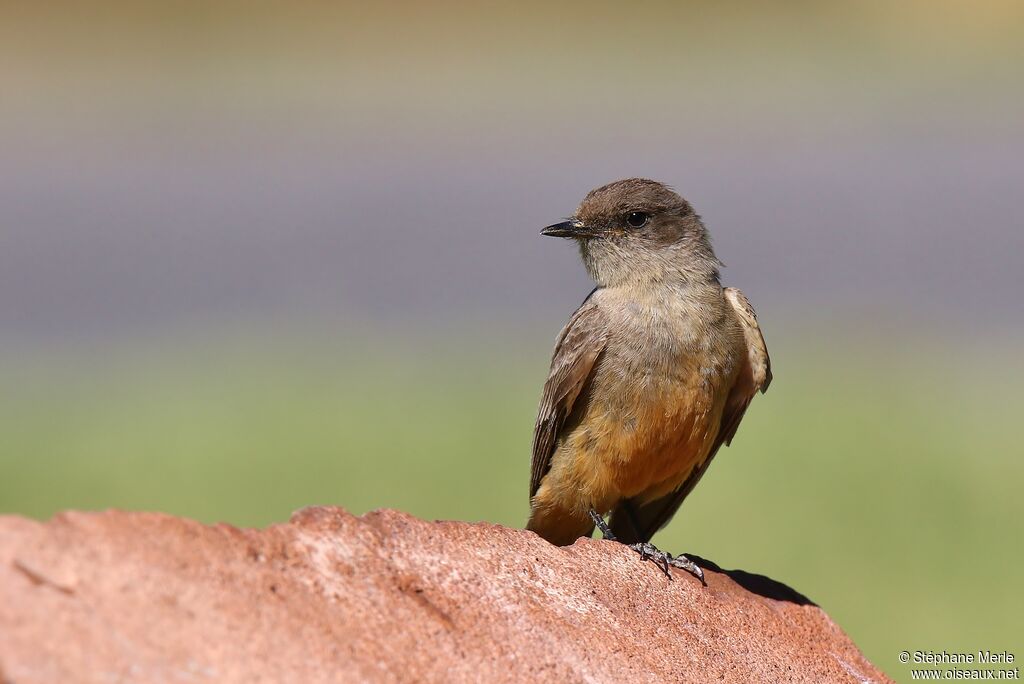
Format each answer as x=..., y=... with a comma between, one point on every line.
x=637, y=219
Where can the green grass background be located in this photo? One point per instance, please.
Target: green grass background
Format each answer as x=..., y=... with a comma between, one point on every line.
x=882, y=479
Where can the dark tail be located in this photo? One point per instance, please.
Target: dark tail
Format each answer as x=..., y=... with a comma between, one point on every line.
x=634, y=523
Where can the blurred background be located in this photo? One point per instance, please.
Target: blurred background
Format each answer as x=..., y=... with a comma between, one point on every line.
x=255, y=256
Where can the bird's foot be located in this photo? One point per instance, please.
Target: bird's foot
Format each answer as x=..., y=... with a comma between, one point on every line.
x=648, y=551
x=665, y=560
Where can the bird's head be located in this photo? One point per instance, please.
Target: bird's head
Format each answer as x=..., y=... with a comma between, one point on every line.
x=639, y=231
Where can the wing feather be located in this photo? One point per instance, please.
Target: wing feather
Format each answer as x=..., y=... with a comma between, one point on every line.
x=576, y=352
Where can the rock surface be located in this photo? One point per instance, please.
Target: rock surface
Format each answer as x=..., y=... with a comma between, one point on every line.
x=329, y=597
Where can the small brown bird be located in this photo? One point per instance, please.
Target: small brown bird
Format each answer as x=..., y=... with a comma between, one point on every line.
x=651, y=375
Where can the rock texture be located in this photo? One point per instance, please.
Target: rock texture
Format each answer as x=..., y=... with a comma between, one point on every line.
x=329, y=597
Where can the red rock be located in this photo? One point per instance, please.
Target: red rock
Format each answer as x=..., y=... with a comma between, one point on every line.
x=329, y=597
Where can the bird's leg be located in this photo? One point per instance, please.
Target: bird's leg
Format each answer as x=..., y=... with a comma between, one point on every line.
x=606, y=532
x=649, y=551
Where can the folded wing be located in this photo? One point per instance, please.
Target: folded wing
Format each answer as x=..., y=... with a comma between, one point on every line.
x=578, y=347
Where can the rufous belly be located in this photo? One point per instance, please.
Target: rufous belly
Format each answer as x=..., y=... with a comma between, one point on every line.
x=641, y=441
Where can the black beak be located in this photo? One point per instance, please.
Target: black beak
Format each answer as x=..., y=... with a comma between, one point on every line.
x=570, y=228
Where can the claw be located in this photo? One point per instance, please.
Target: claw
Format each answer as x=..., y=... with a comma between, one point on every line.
x=684, y=563
x=664, y=560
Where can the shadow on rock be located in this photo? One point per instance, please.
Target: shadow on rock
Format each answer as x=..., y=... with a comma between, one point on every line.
x=756, y=584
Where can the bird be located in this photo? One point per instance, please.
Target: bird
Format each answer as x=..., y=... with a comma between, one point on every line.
x=649, y=378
